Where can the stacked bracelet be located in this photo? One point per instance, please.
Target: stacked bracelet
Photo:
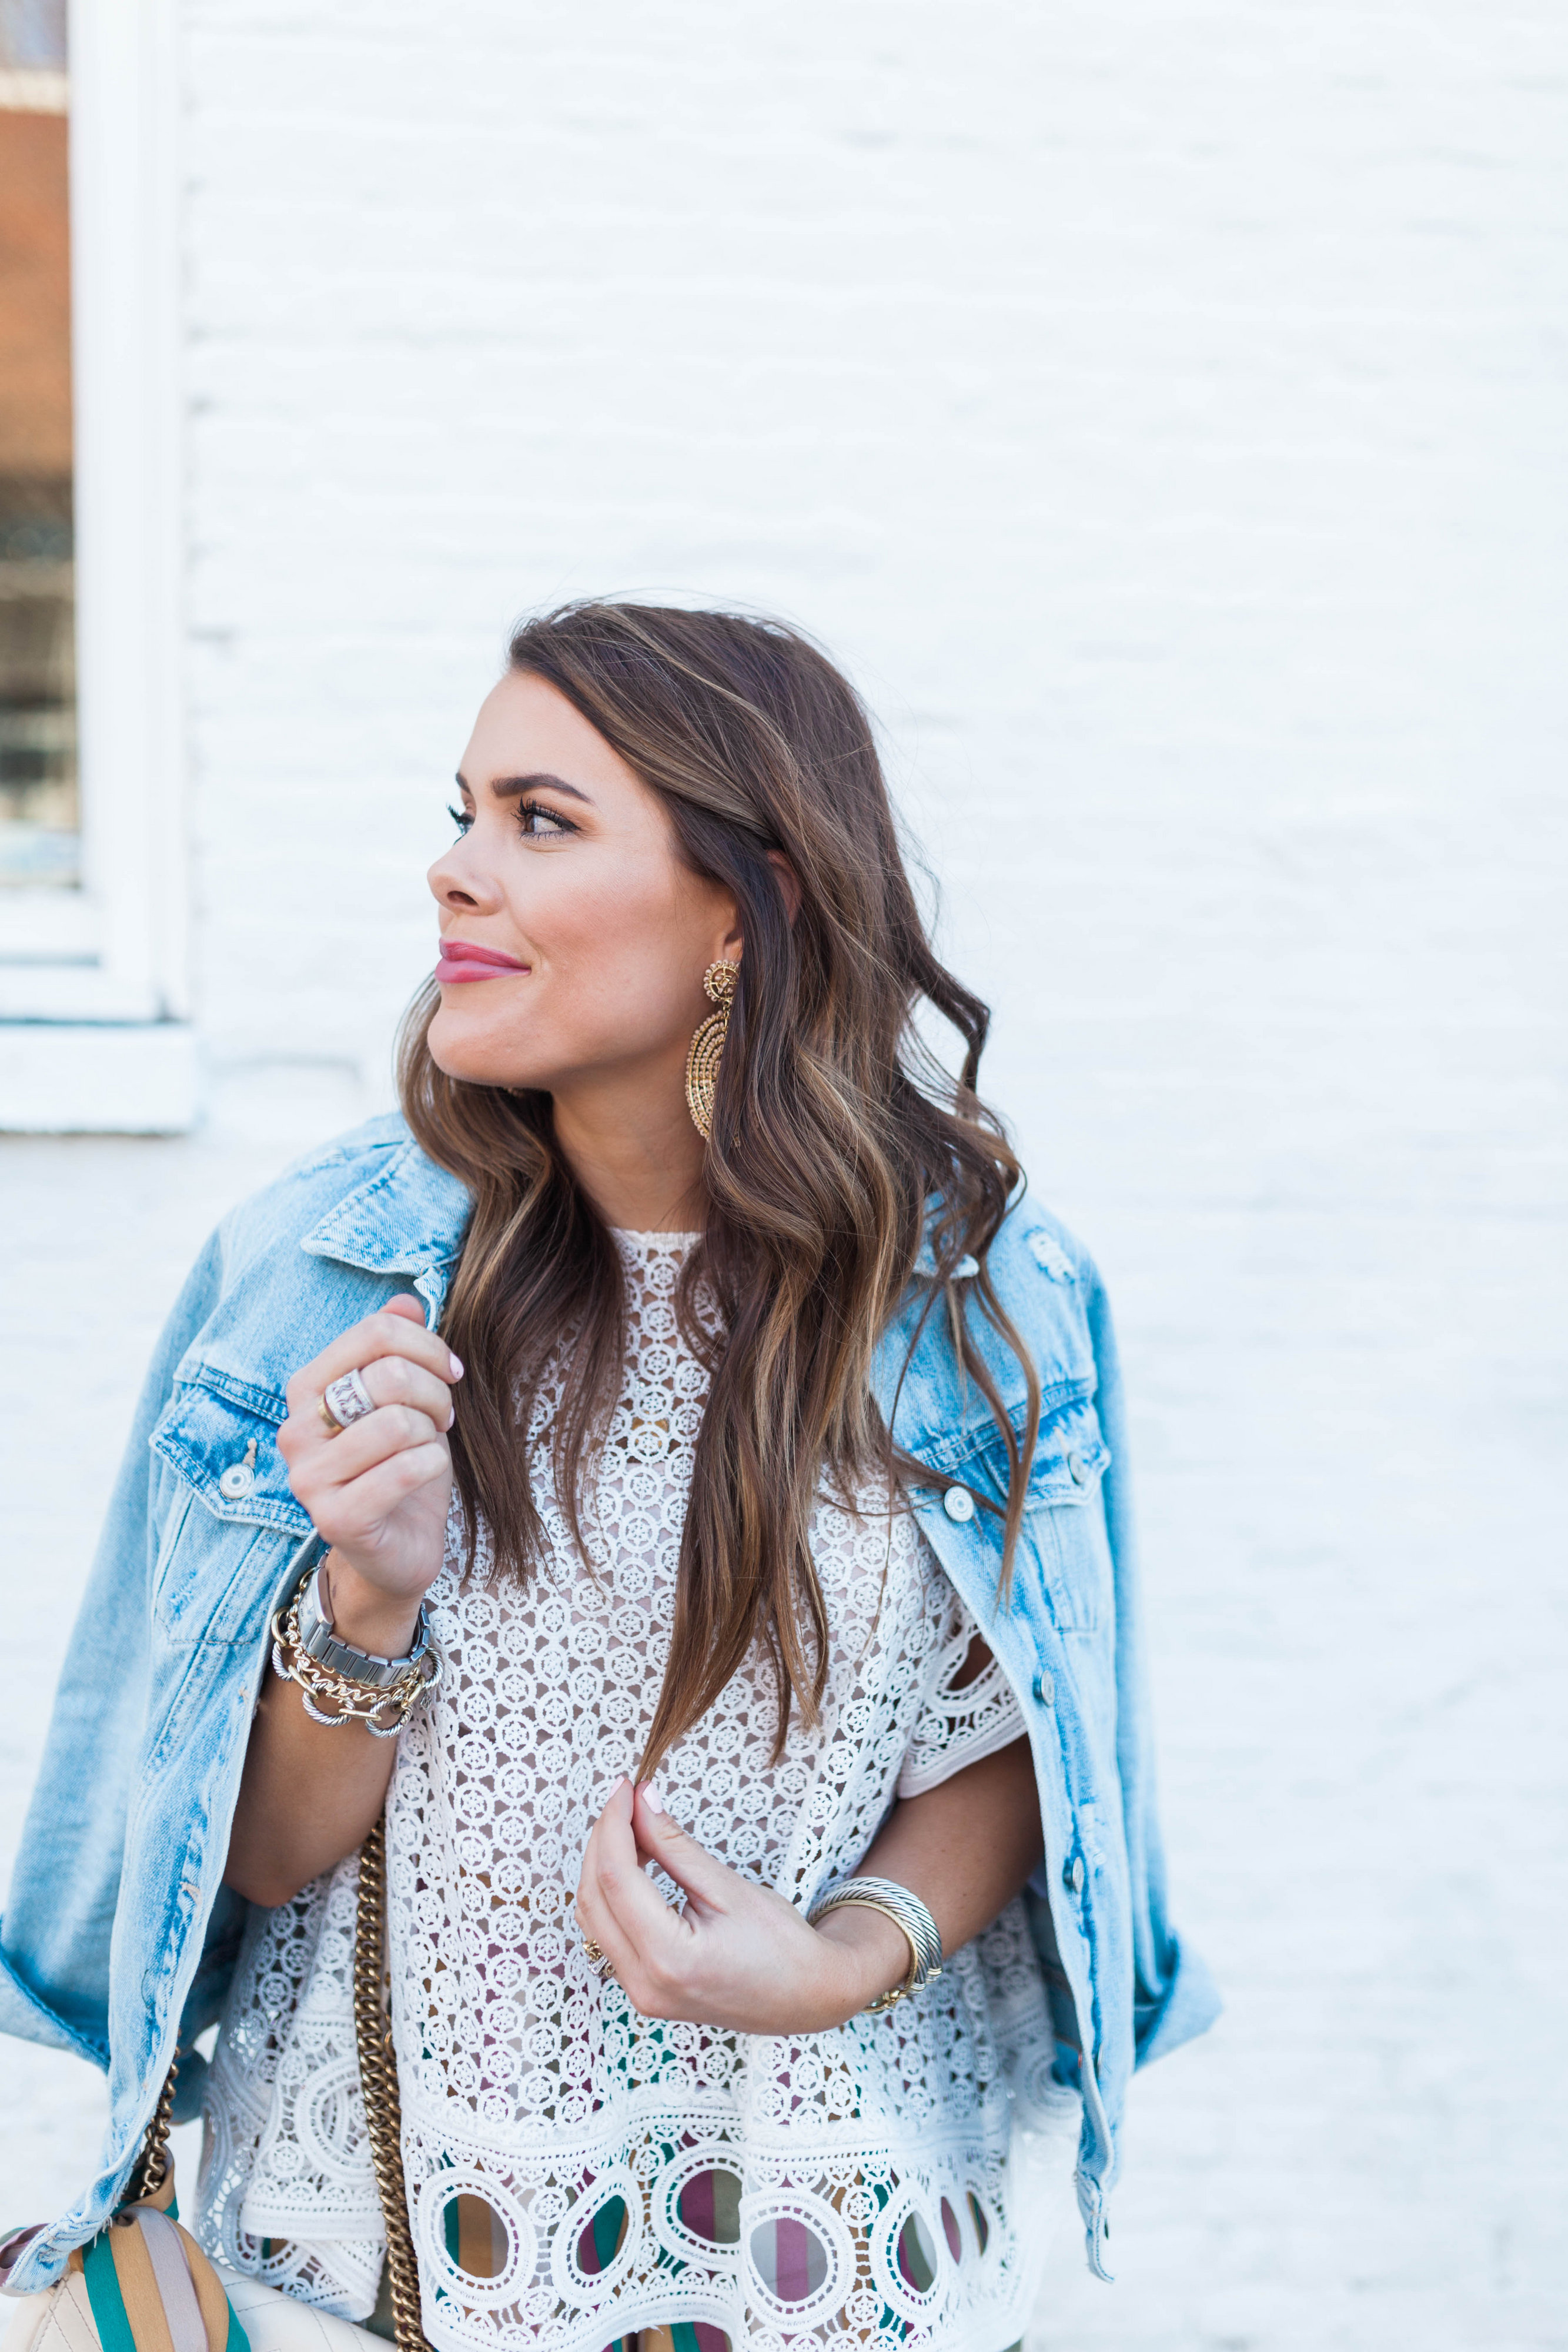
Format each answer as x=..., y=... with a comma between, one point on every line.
x=905, y=1911
x=361, y=1687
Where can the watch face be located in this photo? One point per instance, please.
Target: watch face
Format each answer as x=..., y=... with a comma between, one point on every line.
x=311, y=1618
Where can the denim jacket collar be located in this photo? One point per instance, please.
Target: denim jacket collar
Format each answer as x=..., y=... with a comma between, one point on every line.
x=408, y=1219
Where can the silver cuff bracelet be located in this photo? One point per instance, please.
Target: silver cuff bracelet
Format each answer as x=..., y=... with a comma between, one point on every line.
x=907, y=1911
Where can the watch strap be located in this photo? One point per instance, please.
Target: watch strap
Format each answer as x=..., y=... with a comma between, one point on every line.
x=317, y=1641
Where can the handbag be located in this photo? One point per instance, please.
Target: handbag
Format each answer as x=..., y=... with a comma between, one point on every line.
x=144, y=2285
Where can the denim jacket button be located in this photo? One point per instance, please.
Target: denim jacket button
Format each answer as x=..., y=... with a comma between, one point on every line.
x=237, y=1480
x=958, y=1504
x=1074, y=1876
x=1076, y=1465
x=1044, y=1689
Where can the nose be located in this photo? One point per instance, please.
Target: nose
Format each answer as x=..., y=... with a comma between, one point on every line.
x=458, y=879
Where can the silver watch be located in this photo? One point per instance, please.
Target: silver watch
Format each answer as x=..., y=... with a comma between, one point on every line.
x=317, y=1641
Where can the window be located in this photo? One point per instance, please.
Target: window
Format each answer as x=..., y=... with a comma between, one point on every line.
x=39, y=837
x=92, y=893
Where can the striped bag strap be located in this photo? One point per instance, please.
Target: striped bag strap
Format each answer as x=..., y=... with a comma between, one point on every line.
x=150, y=2286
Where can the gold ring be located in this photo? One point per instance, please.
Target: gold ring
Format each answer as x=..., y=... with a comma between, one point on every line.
x=334, y=1426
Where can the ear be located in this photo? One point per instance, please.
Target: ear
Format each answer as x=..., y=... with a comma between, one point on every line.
x=788, y=890
x=788, y=882
x=734, y=937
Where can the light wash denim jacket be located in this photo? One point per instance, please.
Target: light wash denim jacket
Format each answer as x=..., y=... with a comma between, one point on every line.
x=120, y=1937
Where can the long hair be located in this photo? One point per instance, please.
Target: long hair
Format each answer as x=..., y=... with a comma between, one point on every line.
x=838, y=1143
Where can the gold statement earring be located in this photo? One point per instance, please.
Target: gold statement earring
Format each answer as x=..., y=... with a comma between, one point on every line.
x=707, y=1045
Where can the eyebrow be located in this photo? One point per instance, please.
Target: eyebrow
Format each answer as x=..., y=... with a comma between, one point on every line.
x=509, y=788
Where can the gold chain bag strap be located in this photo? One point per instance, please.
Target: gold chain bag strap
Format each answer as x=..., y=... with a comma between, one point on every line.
x=144, y=2285
x=151, y=2174
x=378, y=2085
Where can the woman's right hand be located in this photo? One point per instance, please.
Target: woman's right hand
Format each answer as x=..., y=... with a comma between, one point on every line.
x=379, y=1490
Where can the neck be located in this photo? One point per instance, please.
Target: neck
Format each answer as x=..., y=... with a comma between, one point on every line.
x=631, y=1145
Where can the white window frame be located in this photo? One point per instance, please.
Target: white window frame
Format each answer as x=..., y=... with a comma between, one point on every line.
x=115, y=950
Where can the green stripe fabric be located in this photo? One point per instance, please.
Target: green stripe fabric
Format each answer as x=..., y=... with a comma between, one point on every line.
x=109, y=2312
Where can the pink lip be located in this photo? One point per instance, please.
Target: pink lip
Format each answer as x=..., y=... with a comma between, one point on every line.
x=462, y=959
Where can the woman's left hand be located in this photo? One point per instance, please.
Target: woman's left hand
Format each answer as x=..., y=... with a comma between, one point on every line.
x=739, y=1955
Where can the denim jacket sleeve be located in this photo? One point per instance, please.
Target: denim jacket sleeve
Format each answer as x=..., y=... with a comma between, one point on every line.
x=1173, y=1995
x=1067, y=1630
x=66, y=1882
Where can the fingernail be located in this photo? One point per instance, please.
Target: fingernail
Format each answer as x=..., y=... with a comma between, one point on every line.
x=456, y=1362
x=652, y=1798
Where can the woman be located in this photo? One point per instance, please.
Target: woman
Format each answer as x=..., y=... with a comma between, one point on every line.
x=748, y=1534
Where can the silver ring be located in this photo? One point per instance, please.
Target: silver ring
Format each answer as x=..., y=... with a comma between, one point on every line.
x=347, y=1400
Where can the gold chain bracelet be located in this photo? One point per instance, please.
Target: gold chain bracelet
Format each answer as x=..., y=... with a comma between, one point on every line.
x=355, y=1702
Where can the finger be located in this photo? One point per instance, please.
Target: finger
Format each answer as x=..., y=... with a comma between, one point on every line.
x=385, y=1333
x=321, y=1460
x=397, y=1379
x=594, y=1919
x=349, y=1514
x=337, y=1462
x=700, y=1876
x=636, y=1926
x=611, y=1851
x=391, y=1331
x=406, y=1303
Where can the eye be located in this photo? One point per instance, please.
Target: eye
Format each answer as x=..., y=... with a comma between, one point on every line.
x=540, y=823
x=461, y=818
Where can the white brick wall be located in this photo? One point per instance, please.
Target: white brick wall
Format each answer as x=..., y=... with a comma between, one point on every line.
x=1160, y=409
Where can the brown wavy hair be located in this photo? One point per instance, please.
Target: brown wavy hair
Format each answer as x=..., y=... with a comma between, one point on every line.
x=839, y=1142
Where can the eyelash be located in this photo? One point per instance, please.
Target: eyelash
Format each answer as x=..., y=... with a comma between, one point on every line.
x=537, y=808
x=463, y=820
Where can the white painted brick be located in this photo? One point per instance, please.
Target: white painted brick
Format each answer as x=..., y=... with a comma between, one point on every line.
x=1160, y=409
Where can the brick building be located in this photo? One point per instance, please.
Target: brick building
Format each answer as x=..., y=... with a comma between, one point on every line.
x=1160, y=410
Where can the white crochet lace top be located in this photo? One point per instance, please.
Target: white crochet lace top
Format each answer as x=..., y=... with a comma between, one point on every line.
x=575, y=2171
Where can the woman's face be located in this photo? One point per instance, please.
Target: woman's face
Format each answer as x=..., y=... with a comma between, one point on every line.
x=574, y=938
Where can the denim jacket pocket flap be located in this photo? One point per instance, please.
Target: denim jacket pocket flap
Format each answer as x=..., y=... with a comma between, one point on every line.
x=1071, y=1457
x=1063, y=1520
x=220, y=1436
x=1063, y=1551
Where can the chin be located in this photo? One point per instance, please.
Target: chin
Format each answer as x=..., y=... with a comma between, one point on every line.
x=470, y=1051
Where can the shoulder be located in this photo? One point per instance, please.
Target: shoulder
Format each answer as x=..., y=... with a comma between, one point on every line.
x=323, y=1245
x=1048, y=1285
x=1047, y=1288
x=405, y=1196
x=321, y=1176
x=1030, y=1243
x=1052, y=1288
x=1046, y=1281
